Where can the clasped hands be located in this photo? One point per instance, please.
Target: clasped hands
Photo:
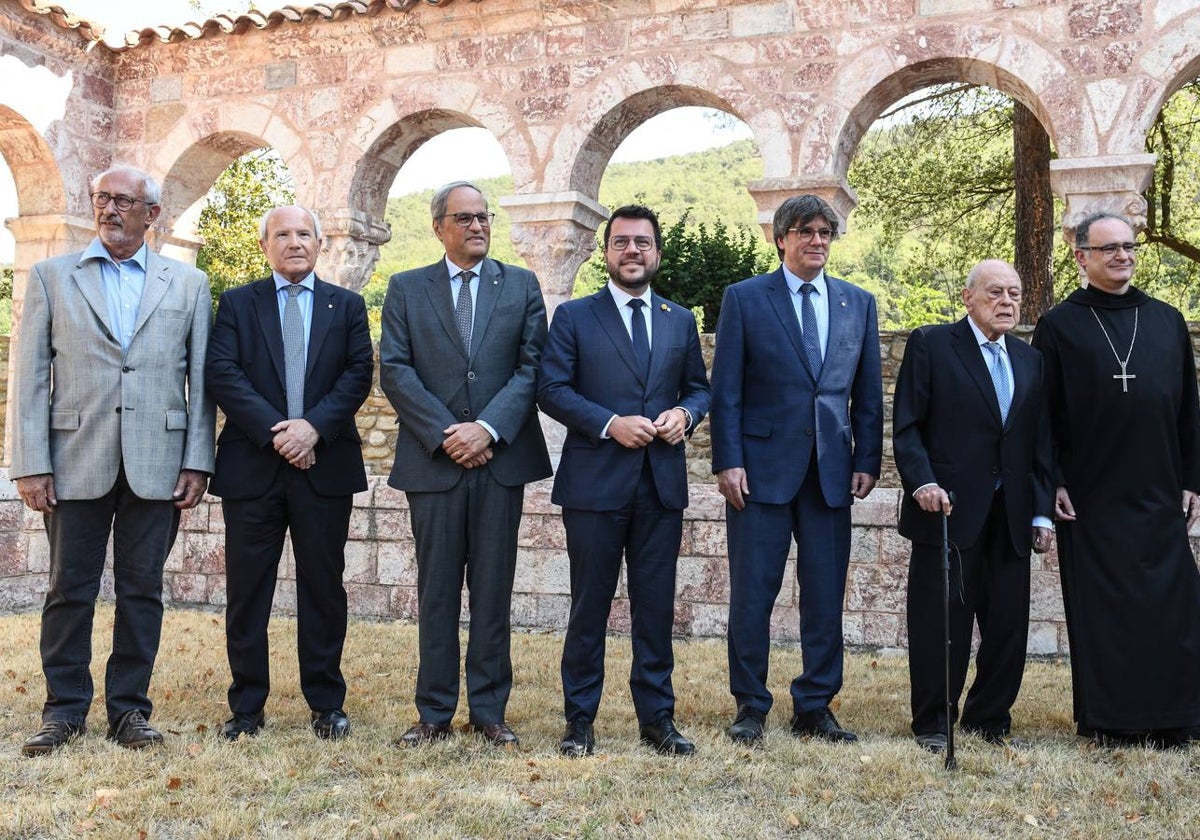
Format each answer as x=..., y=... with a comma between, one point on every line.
x=294, y=441
x=634, y=431
x=469, y=444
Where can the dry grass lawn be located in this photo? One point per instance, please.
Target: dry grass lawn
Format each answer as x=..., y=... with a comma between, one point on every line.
x=286, y=784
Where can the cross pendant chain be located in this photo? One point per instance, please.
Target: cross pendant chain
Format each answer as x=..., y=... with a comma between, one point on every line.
x=1124, y=377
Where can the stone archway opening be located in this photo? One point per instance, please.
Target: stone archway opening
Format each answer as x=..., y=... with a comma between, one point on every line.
x=952, y=169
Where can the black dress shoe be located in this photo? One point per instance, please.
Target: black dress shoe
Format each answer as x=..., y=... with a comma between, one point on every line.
x=579, y=739
x=332, y=725
x=242, y=724
x=423, y=733
x=748, y=726
x=665, y=738
x=934, y=742
x=820, y=723
x=132, y=732
x=52, y=735
x=500, y=734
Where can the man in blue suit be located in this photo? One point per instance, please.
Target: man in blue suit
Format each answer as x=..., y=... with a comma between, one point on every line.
x=623, y=372
x=797, y=432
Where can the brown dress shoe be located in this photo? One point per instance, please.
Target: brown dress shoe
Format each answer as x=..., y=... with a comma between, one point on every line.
x=423, y=733
x=52, y=735
x=132, y=732
x=498, y=733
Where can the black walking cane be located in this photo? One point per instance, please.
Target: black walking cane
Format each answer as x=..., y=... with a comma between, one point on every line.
x=950, y=762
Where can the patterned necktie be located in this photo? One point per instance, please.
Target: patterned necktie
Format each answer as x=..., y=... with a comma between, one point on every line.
x=462, y=311
x=293, y=352
x=999, y=379
x=637, y=330
x=808, y=322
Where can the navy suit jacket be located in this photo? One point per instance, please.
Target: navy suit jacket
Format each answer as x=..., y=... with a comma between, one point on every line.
x=433, y=382
x=589, y=374
x=244, y=374
x=769, y=411
x=947, y=430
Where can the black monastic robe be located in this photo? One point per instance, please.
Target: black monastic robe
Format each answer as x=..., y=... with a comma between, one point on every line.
x=1129, y=579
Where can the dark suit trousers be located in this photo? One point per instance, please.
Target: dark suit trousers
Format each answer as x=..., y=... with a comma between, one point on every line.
x=648, y=536
x=254, y=533
x=759, y=540
x=143, y=532
x=467, y=531
x=995, y=587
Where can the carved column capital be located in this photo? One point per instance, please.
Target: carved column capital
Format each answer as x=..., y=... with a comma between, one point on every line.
x=1112, y=184
x=554, y=233
x=351, y=246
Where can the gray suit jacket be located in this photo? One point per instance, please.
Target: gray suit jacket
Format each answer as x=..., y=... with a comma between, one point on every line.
x=432, y=383
x=84, y=406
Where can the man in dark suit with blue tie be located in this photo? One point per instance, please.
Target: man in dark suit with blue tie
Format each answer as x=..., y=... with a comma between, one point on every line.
x=289, y=362
x=458, y=359
x=797, y=434
x=970, y=419
x=624, y=373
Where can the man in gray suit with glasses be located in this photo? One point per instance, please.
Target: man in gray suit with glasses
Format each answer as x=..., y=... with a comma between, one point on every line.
x=112, y=434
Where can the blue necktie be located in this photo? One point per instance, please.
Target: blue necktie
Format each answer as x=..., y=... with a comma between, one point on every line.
x=641, y=340
x=999, y=379
x=808, y=322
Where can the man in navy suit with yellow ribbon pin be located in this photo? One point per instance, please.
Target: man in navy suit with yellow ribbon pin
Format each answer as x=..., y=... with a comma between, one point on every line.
x=624, y=373
x=797, y=434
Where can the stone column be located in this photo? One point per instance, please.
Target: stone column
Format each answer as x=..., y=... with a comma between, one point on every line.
x=554, y=233
x=178, y=247
x=37, y=238
x=1113, y=183
x=351, y=249
x=769, y=193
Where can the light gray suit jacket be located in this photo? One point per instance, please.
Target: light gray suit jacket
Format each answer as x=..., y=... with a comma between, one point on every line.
x=84, y=406
x=432, y=382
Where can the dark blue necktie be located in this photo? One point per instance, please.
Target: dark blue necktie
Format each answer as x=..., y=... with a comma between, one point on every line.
x=808, y=322
x=641, y=340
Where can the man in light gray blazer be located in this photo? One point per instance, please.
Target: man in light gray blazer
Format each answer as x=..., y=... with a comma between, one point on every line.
x=112, y=434
x=458, y=359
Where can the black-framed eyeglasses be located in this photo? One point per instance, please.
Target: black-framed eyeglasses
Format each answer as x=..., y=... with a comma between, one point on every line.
x=100, y=200
x=620, y=243
x=1110, y=250
x=824, y=234
x=463, y=220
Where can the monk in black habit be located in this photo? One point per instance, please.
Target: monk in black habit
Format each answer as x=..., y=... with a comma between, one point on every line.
x=1125, y=419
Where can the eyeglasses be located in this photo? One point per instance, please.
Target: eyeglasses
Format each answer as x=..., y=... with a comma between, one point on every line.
x=1111, y=249
x=620, y=243
x=824, y=234
x=100, y=200
x=463, y=220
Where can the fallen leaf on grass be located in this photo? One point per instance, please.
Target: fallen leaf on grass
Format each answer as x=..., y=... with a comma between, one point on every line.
x=529, y=800
x=1133, y=817
x=174, y=783
x=1052, y=812
x=865, y=759
x=103, y=798
x=10, y=673
x=1031, y=820
x=535, y=777
x=194, y=750
x=21, y=689
x=639, y=818
x=85, y=825
x=827, y=795
x=793, y=821
x=1155, y=790
x=1110, y=799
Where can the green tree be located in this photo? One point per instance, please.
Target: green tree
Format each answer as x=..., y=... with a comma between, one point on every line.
x=250, y=186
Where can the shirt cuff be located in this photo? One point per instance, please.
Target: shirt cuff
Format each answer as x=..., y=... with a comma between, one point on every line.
x=686, y=414
x=488, y=426
x=1043, y=522
x=604, y=431
x=922, y=487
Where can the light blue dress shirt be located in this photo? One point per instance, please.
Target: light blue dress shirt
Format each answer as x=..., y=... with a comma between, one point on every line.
x=305, y=301
x=123, y=286
x=820, y=301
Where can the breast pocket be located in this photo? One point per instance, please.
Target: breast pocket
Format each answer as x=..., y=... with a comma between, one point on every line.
x=179, y=314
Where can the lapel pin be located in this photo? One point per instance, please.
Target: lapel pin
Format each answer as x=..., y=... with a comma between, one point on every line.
x=331, y=306
x=843, y=303
x=665, y=308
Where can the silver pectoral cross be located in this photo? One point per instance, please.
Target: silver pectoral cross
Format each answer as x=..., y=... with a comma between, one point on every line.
x=1124, y=377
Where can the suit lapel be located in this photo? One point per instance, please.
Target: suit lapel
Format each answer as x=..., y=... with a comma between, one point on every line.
x=90, y=283
x=781, y=299
x=266, y=308
x=605, y=309
x=839, y=315
x=1022, y=367
x=322, y=316
x=437, y=287
x=971, y=357
x=158, y=280
x=485, y=301
x=660, y=336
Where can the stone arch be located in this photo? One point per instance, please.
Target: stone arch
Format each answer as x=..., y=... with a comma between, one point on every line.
x=1173, y=62
x=873, y=95
x=623, y=110
x=35, y=172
